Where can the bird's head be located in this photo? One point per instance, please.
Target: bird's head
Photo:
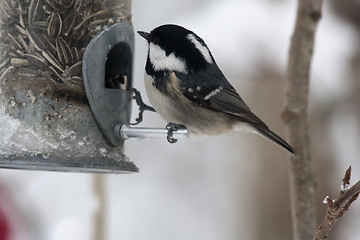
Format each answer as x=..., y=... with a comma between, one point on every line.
x=174, y=48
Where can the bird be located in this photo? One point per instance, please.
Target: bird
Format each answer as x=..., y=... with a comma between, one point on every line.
x=187, y=88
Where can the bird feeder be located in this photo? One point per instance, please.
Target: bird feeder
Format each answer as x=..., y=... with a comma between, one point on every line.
x=46, y=122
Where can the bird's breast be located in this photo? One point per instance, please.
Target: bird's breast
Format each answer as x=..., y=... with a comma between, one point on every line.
x=159, y=100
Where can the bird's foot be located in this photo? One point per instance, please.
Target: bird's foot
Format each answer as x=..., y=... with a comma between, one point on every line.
x=136, y=95
x=173, y=127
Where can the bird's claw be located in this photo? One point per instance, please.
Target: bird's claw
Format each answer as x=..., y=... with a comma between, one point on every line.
x=173, y=127
x=135, y=95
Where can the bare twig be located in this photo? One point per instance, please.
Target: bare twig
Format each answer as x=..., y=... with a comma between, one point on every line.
x=295, y=116
x=336, y=208
x=100, y=213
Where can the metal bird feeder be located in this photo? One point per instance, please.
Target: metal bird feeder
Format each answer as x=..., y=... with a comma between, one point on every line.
x=45, y=119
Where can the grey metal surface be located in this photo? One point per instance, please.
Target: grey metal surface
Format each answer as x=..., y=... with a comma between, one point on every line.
x=109, y=106
x=76, y=164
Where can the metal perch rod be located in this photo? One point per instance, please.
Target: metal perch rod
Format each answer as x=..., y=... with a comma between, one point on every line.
x=127, y=132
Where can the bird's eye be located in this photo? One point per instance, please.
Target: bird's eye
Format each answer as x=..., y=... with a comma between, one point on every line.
x=155, y=40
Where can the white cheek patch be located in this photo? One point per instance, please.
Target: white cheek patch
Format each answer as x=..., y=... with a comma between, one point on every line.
x=160, y=61
x=202, y=49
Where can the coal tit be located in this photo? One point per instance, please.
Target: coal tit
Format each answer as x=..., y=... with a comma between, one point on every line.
x=185, y=86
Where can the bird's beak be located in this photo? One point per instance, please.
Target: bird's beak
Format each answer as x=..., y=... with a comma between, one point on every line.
x=144, y=35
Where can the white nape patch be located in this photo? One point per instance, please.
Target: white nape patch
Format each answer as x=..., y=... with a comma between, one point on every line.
x=213, y=93
x=203, y=49
x=160, y=61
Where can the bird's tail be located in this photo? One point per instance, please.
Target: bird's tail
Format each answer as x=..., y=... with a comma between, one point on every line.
x=273, y=137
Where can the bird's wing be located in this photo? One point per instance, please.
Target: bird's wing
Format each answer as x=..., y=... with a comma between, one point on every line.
x=223, y=99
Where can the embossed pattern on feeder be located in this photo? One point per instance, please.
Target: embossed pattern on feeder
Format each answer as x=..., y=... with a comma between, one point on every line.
x=45, y=119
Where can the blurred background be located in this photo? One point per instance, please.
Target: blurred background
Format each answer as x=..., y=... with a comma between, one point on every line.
x=226, y=187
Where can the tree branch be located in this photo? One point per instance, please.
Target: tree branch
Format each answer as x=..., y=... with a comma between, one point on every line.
x=336, y=208
x=295, y=117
